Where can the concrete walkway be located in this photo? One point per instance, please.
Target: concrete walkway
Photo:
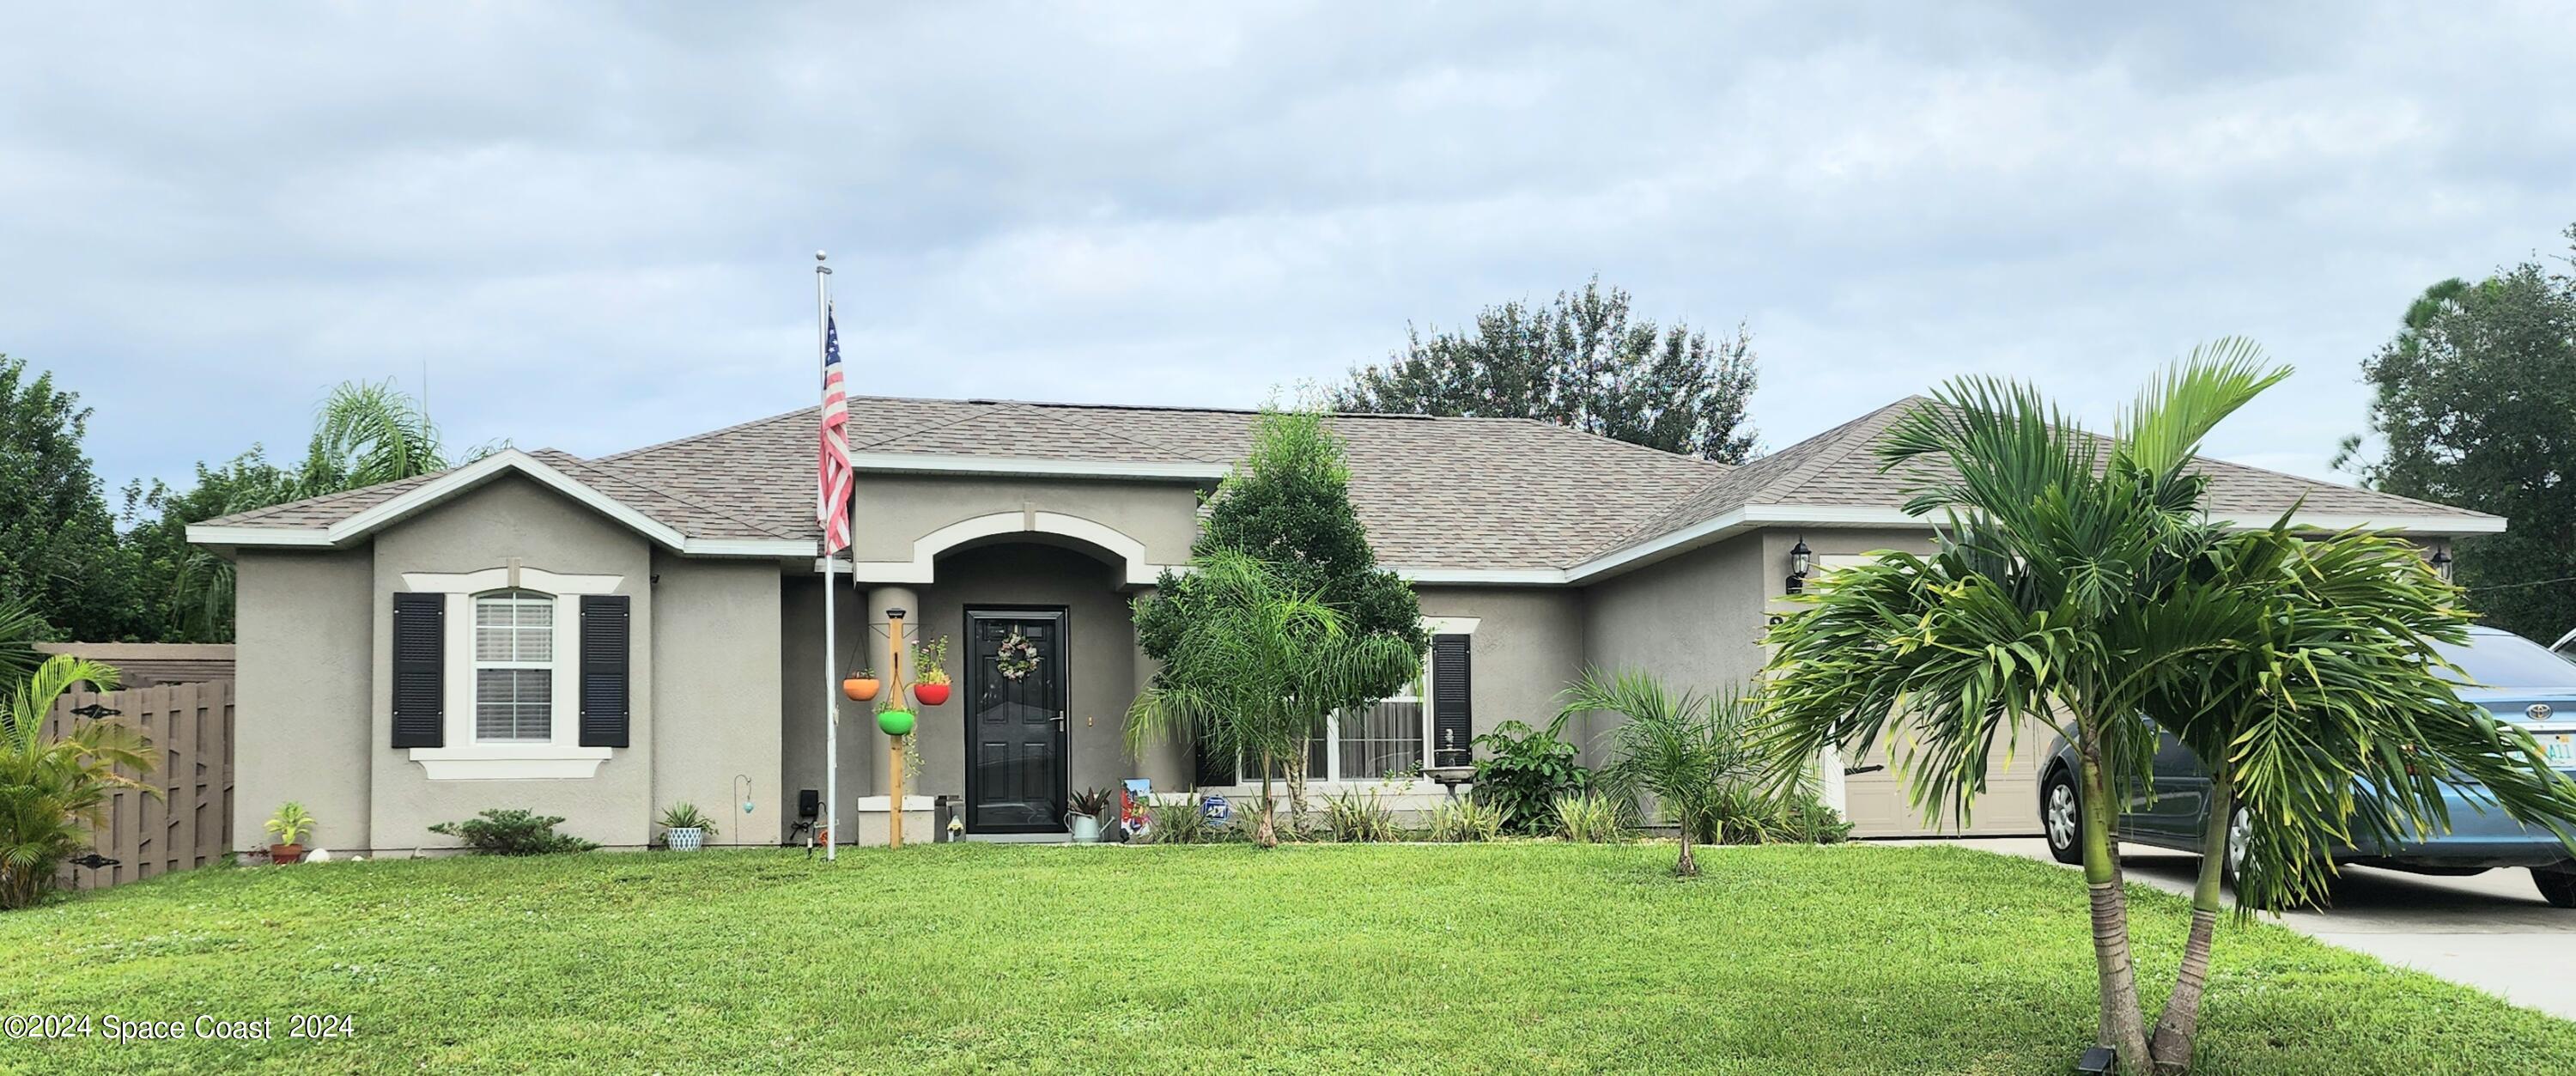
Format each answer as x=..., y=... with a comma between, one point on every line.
x=2491, y=931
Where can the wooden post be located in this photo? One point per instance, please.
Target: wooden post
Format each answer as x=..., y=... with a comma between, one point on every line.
x=894, y=744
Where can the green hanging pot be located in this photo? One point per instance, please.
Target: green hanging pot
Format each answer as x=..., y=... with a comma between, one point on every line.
x=894, y=722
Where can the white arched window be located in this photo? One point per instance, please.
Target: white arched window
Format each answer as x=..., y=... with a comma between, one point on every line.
x=514, y=667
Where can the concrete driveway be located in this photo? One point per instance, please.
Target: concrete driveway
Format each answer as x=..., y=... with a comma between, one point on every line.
x=2491, y=931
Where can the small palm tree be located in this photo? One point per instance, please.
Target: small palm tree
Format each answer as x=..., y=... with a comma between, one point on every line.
x=2324, y=713
x=53, y=791
x=1255, y=670
x=1688, y=751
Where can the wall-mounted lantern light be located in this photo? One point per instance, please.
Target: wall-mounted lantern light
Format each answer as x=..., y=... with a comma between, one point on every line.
x=2442, y=563
x=1801, y=559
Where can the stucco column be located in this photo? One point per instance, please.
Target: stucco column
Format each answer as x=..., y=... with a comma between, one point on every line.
x=879, y=761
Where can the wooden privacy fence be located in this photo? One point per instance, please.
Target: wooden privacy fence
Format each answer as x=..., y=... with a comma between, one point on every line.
x=190, y=727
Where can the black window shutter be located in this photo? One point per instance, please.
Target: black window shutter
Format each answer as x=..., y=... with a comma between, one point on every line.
x=420, y=669
x=604, y=637
x=1453, y=709
x=1212, y=770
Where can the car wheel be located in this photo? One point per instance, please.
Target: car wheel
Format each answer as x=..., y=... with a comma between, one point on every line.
x=2240, y=836
x=2063, y=818
x=2557, y=884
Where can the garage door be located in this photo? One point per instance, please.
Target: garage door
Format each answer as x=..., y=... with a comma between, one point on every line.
x=1876, y=802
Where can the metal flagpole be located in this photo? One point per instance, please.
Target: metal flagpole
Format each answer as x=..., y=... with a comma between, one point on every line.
x=831, y=683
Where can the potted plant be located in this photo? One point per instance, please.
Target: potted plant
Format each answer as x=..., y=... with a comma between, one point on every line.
x=930, y=671
x=684, y=829
x=1083, y=813
x=860, y=686
x=290, y=825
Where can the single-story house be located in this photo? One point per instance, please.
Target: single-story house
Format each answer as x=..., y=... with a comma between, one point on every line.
x=600, y=638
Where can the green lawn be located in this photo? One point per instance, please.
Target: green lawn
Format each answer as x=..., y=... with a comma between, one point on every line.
x=1516, y=957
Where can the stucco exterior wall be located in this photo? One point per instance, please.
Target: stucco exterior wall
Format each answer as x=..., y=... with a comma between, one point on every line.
x=303, y=728
x=894, y=511
x=1695, y=621
x=804, y=691
x=716, y=693
x=512, y=518
x=1528, y=644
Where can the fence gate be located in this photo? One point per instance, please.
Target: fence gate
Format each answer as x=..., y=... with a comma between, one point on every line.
x=189, y=825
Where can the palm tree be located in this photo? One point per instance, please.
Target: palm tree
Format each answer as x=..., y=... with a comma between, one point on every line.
x=2054, y=551
x=2329, y=713
x=53, y=792
x=20, y=629
x=1686, y=750
x=364, y=434
x=1255, y=670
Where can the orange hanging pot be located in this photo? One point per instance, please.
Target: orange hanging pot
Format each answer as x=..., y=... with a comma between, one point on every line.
x=931, y=694
x=860, y=688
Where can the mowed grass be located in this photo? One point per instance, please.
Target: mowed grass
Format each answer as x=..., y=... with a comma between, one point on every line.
x=1503, y=958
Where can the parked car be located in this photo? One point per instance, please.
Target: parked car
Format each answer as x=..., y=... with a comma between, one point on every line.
x=2516, y=679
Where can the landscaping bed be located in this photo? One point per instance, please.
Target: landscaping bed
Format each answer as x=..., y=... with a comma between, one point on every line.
x=1518, y=956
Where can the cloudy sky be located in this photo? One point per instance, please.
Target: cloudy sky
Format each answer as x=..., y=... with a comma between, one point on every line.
x=593, y=225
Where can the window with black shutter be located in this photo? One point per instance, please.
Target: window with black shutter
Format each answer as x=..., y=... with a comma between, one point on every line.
x=1453, y=721
x=420, y=665
x=604, y=646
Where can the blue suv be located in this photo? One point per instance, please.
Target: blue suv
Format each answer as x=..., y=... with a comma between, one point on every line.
x=2517, y=680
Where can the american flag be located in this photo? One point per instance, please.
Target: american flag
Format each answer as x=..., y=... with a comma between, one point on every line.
x=832, y=487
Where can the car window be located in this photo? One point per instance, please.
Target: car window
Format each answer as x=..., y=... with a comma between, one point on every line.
x=2510, y=661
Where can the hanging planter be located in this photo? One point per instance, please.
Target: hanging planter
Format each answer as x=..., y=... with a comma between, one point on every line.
x=931, y=694
x=894, y=722
x=861, y=686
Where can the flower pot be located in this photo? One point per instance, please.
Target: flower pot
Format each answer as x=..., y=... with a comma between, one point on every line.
x=686, y=838
x=895, y=722
x=930, y=694
x=860, y=688
x=1086, y=828
x=286, y=853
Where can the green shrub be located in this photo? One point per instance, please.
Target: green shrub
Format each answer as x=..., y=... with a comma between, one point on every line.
x=1806, y=819
x=1178, y=823
x=499, y=832
x=1525, y=771
x=1350, y=817
x=1590, y=818
x=1465, y=820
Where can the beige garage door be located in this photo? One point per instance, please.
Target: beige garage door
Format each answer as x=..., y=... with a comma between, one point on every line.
x=1876, y=802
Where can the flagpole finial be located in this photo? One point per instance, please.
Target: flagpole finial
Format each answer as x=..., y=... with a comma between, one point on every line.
x=819, y=266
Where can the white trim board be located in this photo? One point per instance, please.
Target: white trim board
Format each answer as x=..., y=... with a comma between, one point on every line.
x=474, y=475
x=929, y=463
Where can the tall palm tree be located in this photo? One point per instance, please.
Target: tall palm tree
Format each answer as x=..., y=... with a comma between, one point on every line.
x=2329, y=715
x=2053, y=545
x=1255, y=671
x=53, y=791
x=1684, y=749
x=21, y=628
x=365, y=433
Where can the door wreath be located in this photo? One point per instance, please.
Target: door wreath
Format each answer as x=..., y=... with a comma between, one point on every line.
x=1016, y=658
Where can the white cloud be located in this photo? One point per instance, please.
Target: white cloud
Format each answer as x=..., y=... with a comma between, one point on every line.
x=207, y=216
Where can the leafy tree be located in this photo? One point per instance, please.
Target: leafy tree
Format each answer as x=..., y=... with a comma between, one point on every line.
x=1583, y=362
x=1288, y=505
x=2475, y=405
x=20, y=630
x=2321, y=710
x=59, y=552
x=52, y=792
x=1254, y=667
x=1686, y=750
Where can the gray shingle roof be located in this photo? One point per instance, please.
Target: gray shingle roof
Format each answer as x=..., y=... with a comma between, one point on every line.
x=1435, y=493
x=1839, y=468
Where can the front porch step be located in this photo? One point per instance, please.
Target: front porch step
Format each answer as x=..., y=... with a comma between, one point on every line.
x=1020, y=838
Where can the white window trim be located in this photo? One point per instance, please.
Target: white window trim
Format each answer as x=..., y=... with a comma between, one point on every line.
x=1400, y=793
x=562, y=756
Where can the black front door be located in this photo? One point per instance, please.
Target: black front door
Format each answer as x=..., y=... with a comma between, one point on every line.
x=1015, y=701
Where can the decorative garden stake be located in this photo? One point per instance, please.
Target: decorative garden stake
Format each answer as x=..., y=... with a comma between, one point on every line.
x=895, y=724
